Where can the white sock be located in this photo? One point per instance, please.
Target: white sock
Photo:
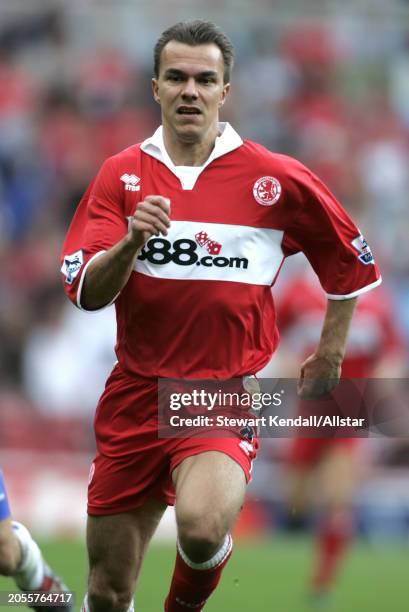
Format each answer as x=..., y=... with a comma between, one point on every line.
x=30, y=572
x=85, y=607
x=217, y=558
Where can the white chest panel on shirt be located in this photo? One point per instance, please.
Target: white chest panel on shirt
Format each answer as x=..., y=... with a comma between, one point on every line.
x=213, y=251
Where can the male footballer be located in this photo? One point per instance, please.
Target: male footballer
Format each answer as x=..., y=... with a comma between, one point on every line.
x=186, y=233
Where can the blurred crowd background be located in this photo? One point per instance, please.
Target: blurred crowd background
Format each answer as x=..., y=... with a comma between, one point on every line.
x=324, y=81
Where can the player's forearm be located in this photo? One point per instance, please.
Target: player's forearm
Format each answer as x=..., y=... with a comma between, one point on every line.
x=107, y=275
x=334, y=333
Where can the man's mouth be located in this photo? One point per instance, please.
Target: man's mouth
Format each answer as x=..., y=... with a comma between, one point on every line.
x=188, y=110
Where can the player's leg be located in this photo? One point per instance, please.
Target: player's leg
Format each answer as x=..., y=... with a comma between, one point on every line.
x=297, y=498
x=116, y=547
x=10, y=551
x=210, y=490
x=21, y=558
x=300, y=467
x=337, y=483
x=129, y=489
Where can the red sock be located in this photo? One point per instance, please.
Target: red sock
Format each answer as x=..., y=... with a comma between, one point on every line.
x=193, y=583
x=333, y=538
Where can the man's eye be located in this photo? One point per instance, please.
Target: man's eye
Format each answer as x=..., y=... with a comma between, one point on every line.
x=175, y=78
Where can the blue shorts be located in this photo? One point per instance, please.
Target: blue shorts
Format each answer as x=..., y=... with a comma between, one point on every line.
x=4, y=504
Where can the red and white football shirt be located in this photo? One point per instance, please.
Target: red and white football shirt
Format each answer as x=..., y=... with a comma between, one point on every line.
x=198, y=303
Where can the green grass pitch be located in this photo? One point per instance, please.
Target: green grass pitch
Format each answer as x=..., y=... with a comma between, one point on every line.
x=267, y=576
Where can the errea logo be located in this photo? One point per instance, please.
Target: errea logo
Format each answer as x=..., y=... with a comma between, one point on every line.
x=131, y=182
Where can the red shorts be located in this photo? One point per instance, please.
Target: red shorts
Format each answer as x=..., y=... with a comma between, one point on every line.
x=309, y=451
x=132, y=463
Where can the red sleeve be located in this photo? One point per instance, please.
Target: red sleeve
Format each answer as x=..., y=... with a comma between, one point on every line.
x=324, y=232
x=99, y=223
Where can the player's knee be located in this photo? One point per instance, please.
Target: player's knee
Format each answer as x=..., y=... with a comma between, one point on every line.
x=107, y=600
x=103, y=597
x=9, y=559
x=201, y=535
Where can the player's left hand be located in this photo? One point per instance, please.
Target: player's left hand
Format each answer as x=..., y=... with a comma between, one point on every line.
x=318, y=377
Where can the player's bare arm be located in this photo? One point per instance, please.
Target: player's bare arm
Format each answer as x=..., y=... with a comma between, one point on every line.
x=107, y=275
x=321, y=371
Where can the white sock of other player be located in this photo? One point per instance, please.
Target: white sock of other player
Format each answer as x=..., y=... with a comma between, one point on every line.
x=30, y=572
x=85, y=607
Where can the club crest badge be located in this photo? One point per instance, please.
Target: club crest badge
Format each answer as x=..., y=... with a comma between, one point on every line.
x=267, y=190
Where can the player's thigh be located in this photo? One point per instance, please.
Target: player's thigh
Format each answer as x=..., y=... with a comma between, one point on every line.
x=209, y=486
x=338, y=475
x=117, y=544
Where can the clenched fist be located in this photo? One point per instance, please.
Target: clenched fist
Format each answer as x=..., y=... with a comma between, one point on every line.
x=151, y=218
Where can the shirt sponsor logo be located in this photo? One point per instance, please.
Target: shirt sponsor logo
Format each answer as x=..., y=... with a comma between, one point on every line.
x=267, y=190
x=211, y=246
x=72, y=265
x=365, y=254
x=131, y=182
x=199, y=250
x=184, y=252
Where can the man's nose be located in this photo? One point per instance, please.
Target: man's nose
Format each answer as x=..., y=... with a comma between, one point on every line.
x=190, y=89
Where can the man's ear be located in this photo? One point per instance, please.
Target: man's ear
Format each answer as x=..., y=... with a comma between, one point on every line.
x=155, y=90
x=225, y=93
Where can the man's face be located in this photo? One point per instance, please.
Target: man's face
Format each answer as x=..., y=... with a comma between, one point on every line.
x=190, y=89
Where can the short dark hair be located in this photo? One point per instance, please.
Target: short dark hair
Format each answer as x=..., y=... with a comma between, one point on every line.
x=193, y=33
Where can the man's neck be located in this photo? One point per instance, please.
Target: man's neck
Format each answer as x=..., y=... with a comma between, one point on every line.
x=185, y=153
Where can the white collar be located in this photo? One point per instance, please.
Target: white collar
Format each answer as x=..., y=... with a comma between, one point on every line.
x=225, y=143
